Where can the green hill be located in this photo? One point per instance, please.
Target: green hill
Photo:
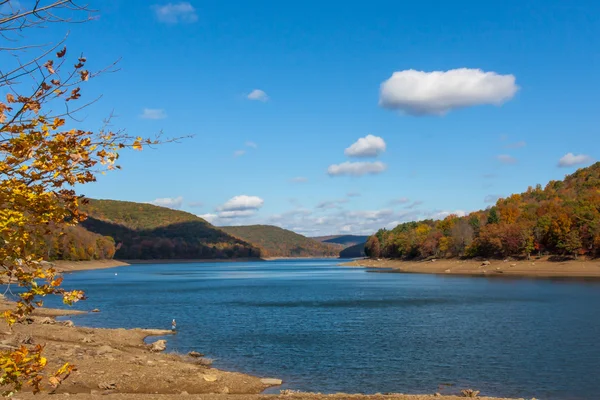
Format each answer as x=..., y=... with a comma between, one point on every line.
x=355, y=251
x=146, y=231
x=344, y=240
x=277, y=242
x=561, y=219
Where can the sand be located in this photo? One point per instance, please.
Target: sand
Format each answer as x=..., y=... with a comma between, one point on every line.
x=536, y=268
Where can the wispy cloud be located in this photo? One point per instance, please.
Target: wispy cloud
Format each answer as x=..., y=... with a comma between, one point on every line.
x=153, y=113
x=516, y=145
x=258, y=95
x=353, y=194
x=174, y=13
x=356, y=168
x=506, y=159
x=299, y=179
x=399, y=201
x=251, y=144
x=492, y=198
x=331, y=204
x=413, y=205
x=570, y=159
x=239, y=153
x=369, y=146
x=438, y=92
x=168, y=202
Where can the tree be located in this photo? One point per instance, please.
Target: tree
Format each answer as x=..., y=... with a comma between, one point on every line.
x=372, y=247
x=40, y=162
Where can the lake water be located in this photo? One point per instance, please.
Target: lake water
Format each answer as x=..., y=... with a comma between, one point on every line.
x=325, y=328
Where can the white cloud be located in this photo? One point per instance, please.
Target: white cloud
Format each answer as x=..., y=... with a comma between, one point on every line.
x=369, y=146
x=570, y=159
x=237, y=213
x=413, y=205
x=438, y=92
x=356, y=168
x=401, y=200
x=353, y=194
x=239, y=153
x=506, y=159
x=209, y=217
x=252, y=144
x=516, y=145
x=173, y=13
x=330, y=204
x=169, y=202
x=242, y=203
x=492, y=198
x=153, y=113
x=299, y=179
x=258, y=95
x=444, y=214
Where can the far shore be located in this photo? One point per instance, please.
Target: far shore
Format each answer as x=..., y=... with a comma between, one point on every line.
x=534, y=268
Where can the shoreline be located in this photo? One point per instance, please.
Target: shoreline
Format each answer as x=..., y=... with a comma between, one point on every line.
x=540, y=268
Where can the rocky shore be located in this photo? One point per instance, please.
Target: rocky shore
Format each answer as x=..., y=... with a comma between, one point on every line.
x=535, y=268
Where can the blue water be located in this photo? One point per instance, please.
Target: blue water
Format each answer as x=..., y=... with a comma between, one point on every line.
x=325, y=328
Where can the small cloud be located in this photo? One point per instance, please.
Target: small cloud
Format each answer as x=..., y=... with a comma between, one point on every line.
x=331, y=204
x=570, y=159
x=252, y=145
x=153, y=113
x=196, y=204
x=174, y=13
x=516, y=145
x=209, y=217
x=299, y=179
x=369, y=146
x=258, y=95
x=413, y=205
x=353, y=194
x=398, y=201
x=169, y=202
x=242, y=203
x=438, y=92
x=356, y=168
x=492, y=198
x=239, y=153
x=506, y=159
x=444, y=214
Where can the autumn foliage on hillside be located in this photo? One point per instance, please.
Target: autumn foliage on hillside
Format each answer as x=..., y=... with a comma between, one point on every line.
x=561, y=219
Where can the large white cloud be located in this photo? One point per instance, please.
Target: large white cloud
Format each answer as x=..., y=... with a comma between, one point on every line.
x=570, y=159
x=242, y=203
x=369, y=146
x=356, y=168
x=173, y=13
x=169, y=202
x=438, y=92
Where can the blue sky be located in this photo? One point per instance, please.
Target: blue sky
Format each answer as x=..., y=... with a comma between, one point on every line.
x=500, y=92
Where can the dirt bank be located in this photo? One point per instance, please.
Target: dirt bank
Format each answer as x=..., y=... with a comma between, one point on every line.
x=69, y=266
x=541, y=268
x=118, y=360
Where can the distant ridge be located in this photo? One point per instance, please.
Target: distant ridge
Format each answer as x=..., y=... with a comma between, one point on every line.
x=278, y=242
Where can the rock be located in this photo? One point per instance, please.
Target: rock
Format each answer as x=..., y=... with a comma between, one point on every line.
x=95, y=310
x=195, y=354
x=127, y=374
x=27, y=340
x=68, y=323
x=225, y=390
x=433, y=260
x=209, y=378
x=87, y=340
x=485, y=263
x=158, y=346
x=271, y=381
x=107, y=386
x=104, y=350
x=47, y=321
x=513, y=265
x=447, y=271
x=437, y=394
x=184, y=393
x=205, y=362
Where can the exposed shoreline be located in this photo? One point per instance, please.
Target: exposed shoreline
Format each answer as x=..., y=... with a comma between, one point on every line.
x=540, y=268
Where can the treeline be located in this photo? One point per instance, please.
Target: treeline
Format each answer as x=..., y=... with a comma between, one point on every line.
x=561, y=219
x=72, y=243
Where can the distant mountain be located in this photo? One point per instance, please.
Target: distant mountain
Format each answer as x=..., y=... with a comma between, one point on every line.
x=277, y=242
x=344, y=240
x=145, y=231
x=356, y=251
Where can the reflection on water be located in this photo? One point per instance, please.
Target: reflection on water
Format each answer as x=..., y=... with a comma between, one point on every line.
x=326, y=328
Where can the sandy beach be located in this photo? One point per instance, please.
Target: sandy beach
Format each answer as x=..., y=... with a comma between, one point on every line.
x=540, y=268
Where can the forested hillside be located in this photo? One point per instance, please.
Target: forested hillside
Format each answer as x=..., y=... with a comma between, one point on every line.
x=344, y=240
x=145, y=231
x=277, y=242
x=562, y=218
